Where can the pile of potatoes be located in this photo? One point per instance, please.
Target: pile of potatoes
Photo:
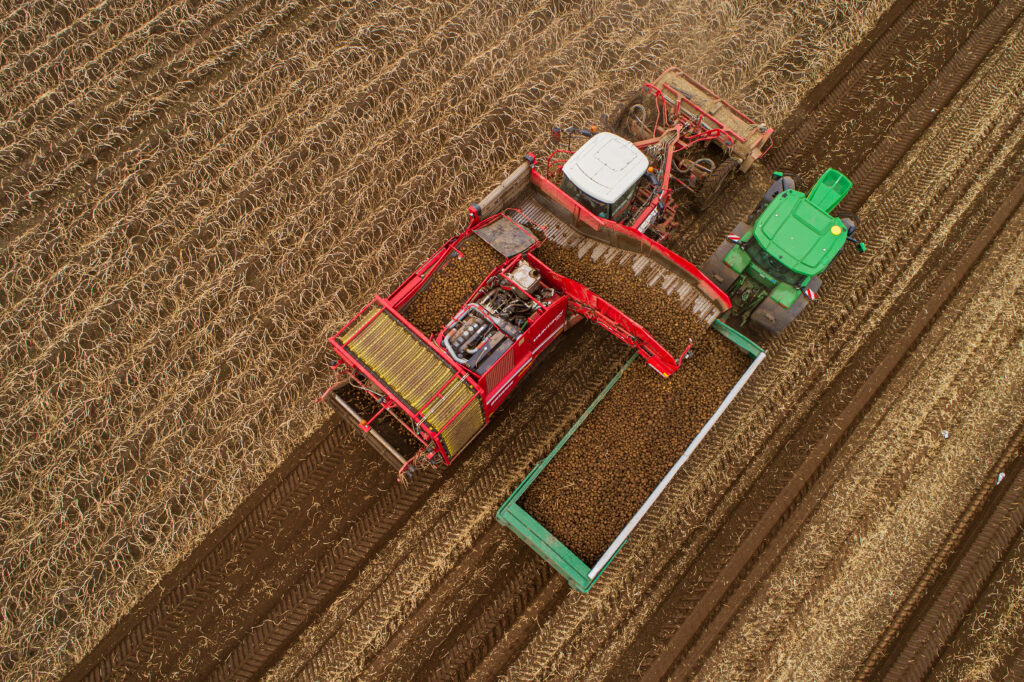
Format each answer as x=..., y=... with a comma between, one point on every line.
x=452, y=285
x=603, y=474
x=661, y=314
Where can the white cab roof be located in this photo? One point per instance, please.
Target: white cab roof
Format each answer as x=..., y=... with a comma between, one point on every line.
x=606, y=167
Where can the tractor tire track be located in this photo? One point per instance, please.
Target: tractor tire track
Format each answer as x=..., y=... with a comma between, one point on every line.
x=706, y=577
x=307, y=480
x=760, y=548
x=179, y=621
x=952, y=584
x=988, y=642
x=566, y=388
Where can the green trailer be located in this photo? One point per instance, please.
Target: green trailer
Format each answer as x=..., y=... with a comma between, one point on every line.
x=580, y=575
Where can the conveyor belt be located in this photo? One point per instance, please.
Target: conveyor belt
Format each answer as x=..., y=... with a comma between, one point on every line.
x=656, y=275
x=417, y=375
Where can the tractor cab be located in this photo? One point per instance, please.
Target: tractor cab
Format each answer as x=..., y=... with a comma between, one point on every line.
x=795, y=237
x=603, y=175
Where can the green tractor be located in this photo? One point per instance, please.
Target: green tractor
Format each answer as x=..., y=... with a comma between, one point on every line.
x=771, y=270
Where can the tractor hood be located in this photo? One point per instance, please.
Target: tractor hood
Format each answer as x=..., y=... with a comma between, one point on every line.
x=798, y=234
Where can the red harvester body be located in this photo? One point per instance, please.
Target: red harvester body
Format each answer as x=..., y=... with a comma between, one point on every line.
x=422, y=399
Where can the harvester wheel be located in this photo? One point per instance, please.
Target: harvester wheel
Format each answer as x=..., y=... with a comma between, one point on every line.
x=631, y=121
x=713, y=183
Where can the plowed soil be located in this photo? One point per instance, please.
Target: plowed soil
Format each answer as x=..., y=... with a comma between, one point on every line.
x=194, y=196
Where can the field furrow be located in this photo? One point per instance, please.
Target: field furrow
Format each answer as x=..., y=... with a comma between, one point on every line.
x=195, y=194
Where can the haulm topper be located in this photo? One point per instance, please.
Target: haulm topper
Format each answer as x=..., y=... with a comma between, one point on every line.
x=715, y=139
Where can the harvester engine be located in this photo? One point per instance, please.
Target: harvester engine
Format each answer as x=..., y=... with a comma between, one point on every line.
x=485, y=328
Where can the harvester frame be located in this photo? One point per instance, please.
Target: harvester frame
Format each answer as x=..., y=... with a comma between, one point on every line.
x=704, y=120
x=378, y=346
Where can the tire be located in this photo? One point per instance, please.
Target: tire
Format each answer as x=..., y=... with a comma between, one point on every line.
x=713, y=183
x=716, y=270
x=786, y=182
x=620, y=124
x=850, y=221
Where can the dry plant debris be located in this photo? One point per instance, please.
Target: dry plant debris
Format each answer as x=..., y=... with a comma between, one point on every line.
x=195, y=196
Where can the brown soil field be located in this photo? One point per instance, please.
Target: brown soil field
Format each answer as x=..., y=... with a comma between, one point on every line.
x=194, y=196
x=989, y=642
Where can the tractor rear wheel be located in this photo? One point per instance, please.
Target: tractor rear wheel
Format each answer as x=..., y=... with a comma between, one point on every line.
x=773, y=318
x=713, y=183
x=716, y=269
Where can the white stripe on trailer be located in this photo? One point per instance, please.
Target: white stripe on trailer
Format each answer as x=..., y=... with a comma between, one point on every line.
x=653, y=497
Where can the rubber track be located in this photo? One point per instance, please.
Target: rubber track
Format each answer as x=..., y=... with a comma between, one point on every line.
x=759, y=551
x=930, y=617
x=163, y=612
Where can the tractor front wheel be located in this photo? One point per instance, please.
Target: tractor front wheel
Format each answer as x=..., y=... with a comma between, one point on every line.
x=713, y=183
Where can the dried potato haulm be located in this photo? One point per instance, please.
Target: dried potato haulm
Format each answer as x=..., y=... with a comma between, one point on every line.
x=452, y=285
x=602, y=475
x=659, y=313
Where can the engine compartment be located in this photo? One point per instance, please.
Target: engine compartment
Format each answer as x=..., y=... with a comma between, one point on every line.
x=487, y=326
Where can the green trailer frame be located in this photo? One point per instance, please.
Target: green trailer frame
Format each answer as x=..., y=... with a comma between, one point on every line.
x=581, y=576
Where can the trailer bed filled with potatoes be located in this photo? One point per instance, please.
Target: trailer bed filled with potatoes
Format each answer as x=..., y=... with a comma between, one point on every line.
x=577, y=507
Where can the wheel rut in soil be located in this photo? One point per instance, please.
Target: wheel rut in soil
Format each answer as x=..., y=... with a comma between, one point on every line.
x=989, y=636
x=957, y=576
x=684, y=601
x=282, y=555
x=491, y=630
x=580, y=367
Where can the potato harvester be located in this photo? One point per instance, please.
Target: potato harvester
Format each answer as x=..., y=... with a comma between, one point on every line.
x=420, y=396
